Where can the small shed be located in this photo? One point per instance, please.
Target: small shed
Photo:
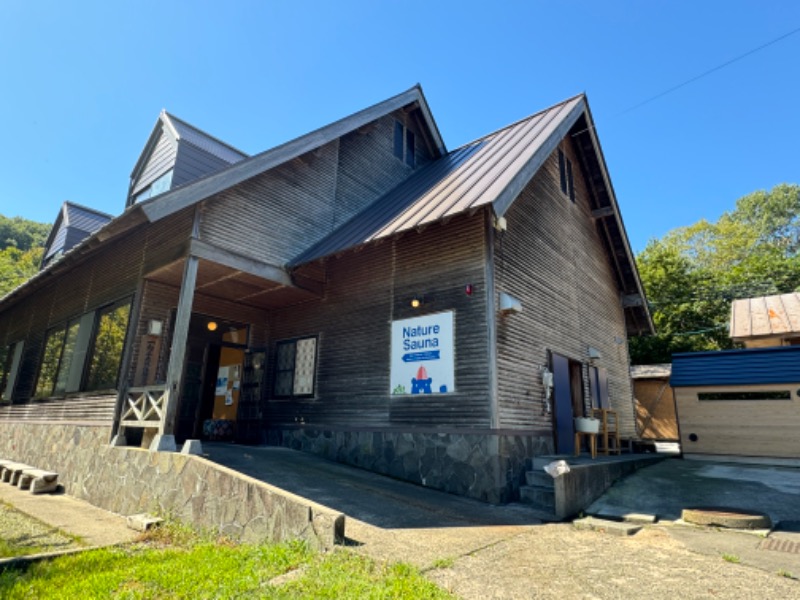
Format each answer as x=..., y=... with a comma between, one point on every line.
x=766, y=321
x=655, y=403
x=739, y=404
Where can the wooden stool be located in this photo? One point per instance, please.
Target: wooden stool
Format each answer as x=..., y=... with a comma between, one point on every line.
x=592, y=443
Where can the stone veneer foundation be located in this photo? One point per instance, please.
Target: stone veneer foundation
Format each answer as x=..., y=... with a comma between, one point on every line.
x=485, y=466
x=189, y=488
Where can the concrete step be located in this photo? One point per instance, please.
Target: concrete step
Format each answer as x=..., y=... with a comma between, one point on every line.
x=539, y=478
x=540, y=497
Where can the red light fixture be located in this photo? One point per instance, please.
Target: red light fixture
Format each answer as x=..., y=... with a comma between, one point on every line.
x=469, y=289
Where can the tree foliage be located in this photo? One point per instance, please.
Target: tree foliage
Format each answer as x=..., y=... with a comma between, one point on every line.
x=693, y=273
x=21, y=247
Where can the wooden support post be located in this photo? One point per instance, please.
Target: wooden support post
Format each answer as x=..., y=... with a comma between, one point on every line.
x=178, y=352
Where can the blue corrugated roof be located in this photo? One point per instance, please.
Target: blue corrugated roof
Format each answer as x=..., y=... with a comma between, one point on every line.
x=751, y=366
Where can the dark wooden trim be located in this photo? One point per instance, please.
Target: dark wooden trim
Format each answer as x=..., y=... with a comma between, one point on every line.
x=548, y=433
x=606, y=211
x=239, y=262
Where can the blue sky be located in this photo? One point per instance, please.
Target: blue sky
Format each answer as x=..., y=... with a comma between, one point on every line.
x=82, y=83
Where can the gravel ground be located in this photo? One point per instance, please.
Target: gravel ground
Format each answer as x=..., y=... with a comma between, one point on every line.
x=26, y=534
x=557, y=561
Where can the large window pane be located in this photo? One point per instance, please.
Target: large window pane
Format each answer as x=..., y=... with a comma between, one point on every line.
x=295, y=366
x=10, y=366
x=49, y=367
x=109, y=340
x=67, y=356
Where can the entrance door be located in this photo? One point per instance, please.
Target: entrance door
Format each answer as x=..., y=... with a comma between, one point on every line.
x=568, y=401
x=562, y=401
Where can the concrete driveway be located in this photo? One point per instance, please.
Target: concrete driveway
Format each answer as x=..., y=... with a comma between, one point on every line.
x=668, y=487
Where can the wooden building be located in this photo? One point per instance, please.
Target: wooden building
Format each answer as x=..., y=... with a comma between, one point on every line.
x=655, y=403
x=359, y=292
x=766, y=321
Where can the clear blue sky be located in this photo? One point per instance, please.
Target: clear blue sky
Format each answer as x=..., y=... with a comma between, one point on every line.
x=82, y=83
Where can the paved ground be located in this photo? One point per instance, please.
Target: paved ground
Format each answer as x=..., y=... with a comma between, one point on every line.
x=481, y=551
x=666, y=488
x=94, y=526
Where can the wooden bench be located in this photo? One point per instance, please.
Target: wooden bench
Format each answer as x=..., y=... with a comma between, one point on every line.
x=38, y=481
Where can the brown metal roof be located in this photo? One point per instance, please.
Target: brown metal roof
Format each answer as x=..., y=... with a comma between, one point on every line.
x=766, y=316
x=479, y=173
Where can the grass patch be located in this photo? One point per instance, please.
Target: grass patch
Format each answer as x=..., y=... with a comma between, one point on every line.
x=786, y=574
x=731, y=558
x=176, y=562
x=443, y=563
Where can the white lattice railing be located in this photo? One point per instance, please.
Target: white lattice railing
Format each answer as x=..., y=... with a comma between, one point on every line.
x=144, y=406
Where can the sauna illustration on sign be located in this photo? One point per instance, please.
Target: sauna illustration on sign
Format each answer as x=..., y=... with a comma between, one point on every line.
x=422, y=355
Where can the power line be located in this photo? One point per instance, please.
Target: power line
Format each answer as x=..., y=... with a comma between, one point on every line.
x=710, y=71
x=696, y=77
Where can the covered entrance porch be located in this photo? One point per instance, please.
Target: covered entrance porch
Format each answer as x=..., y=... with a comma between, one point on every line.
x=198, y=360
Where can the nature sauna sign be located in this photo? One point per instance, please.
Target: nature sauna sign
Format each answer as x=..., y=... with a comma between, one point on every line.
x=422, y=355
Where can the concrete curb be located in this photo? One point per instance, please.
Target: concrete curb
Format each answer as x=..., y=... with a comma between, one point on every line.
x=19, y=561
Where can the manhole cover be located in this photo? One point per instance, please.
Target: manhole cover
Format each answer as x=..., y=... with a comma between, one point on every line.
x=726, y=517
x=780, y=546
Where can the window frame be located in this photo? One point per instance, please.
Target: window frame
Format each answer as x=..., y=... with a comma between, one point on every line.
x=404, y=145
x=89, y=356
x=82, y=350
x=293, y=370
x=11, y=361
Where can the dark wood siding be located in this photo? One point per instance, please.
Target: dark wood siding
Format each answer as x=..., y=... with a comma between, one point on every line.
x=365, y=292
x=552, y=259
x=102, y=278
x=276, y=215
x=368, y=168
x=161, y=160
x=192, y=162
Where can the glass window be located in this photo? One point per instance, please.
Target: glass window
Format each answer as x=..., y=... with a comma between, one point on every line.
x=295, y=367
x=48, y=370
x=398, y=139
x=162, y=184
x=109, y=341
x=67, y=356
x=765, y=395
x=409, y=148
x=9, y=365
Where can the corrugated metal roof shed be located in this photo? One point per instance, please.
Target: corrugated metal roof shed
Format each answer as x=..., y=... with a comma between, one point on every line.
x=659, y=371
x=752, y=366
x=766, y=316
x=472, y=176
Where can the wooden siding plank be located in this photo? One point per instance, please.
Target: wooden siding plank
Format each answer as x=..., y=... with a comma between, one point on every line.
x=553, y=260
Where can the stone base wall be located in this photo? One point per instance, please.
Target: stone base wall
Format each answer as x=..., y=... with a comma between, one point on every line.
x=131, y=480
x=485, y=466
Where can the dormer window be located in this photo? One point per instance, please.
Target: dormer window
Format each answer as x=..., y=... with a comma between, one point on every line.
x=159, y=186
x=404, y=144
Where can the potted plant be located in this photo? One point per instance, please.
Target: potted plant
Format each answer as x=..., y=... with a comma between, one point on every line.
x=587, y=424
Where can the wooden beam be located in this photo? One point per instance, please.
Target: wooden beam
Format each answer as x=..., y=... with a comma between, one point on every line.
x=245, y=264
x=606, y=211
x=631, y=300
x=178, y=351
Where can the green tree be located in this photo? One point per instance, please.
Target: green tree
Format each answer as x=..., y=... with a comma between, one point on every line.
x=692, y=275
x=16, y=267
x=21, y=233
x=21, y=247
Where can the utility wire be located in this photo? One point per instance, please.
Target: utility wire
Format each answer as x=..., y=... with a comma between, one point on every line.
x=696, y=77
x=710, y=71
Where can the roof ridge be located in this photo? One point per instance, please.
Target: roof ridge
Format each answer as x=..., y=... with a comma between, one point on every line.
x=520, y=121
x=171, y=116
x=89, y=208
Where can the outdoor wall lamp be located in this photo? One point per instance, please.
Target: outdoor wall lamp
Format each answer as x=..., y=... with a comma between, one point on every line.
x=154, y=327
x=416, y=302
x=212, y=325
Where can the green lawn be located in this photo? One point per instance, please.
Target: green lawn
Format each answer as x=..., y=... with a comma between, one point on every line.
x=178, y=564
